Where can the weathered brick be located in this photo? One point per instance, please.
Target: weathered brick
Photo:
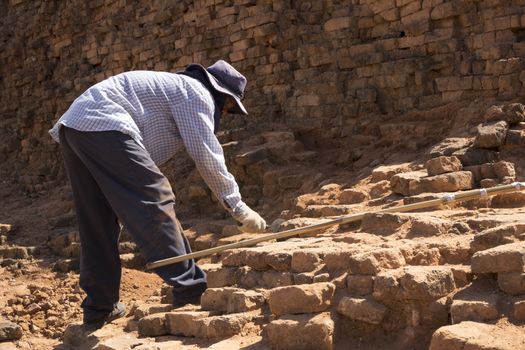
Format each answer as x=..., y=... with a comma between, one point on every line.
x=496, y=236
x=304, y=298
x=512, y=283
x=153, y=325
x=183, y=322
x=364, y=310
x=503, y=258
x=473, y=310
x=372, y=262
x=360, y=284
x=491, y=135
x=304, y=261
x=474, y=335
x=334, y=24
x=302, y=332
x=231, y=300
x=223, y=326
x=424, y=283
x=443, y=164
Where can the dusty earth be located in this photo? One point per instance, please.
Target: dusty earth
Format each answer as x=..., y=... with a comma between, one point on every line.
x=440, y=278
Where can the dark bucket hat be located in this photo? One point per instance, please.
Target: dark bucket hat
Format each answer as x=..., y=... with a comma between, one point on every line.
x=225, y=79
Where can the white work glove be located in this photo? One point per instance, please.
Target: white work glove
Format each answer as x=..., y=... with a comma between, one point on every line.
x=250, y=220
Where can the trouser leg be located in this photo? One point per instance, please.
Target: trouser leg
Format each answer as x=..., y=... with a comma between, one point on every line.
x=143, y=200
x=100, y=269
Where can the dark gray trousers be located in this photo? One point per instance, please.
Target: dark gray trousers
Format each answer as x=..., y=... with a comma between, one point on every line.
x=115, y=180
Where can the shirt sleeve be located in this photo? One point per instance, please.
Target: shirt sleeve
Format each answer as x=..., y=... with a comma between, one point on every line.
x=194, y=119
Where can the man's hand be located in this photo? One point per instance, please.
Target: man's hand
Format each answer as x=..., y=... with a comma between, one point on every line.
x=250, y=220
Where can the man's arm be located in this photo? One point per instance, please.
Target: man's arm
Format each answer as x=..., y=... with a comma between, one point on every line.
x=194, y=120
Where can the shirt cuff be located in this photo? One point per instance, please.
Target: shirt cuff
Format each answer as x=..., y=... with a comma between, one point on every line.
x=232, y=202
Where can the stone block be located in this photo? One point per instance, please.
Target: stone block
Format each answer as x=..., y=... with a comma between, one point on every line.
x=454, y=83
x=477, y=336
x=491, y=135
x=410, y=8
x=488, y=183
x=462, y=275
x=231, y=300
x=337, y=24
x=364, y=310
x=449, y=182
x=183, y=322
x=360, y=284
x=499, y=235
x=350, y=196
x=515, y=199
x=443, y=164
x=372, y=262
x=406, y=183
x=382, y=5
x=147, y=309
x=422, y=283
x=14, y=252
x=10, y=331
x=417, y=23
x=473, y=310
x=223, y=326
x=306, y=298
x=512, y=283
x=429, y=226
x=444, y=10
x=512, y=113
x=385, y=172
x=308, y=332
x=272, y=279
x=449, y=145
x=383, y=224
x=235, y=257
x=475, y=156
x=504, y=169
x=119, y=343
x=500, y=259
x=422, y=256
x=281, y=261
x=518, y=311
x=256, y=260
x=304, y=261
x=153, y=325
x=436, y=313
x=221, y=277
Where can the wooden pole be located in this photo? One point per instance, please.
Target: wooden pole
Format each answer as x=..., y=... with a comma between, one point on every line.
x=448, y=198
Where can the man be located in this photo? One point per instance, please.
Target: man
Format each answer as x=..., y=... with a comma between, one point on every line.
x=113, y=138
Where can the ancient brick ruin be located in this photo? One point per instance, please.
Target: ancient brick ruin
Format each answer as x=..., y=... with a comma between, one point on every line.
x=318, y=67
x=354, y=106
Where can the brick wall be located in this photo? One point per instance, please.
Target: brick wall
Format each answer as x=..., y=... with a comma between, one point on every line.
x=318, y=67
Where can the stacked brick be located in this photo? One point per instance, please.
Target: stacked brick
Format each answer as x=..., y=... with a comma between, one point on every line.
x=321, y=68
x=461, y=163
x=299, y=294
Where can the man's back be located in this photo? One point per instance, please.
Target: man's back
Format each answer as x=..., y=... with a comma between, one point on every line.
x=142, y=104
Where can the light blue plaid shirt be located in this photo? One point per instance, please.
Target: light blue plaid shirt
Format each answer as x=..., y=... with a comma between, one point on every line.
x=164, y=112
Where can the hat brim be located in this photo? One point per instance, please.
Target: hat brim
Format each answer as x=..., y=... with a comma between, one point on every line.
x=239, y=107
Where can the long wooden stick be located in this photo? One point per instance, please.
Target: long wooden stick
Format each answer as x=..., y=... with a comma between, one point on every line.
x=448, y=198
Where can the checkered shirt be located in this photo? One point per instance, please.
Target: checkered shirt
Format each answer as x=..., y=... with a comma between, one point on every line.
x=163, y=112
